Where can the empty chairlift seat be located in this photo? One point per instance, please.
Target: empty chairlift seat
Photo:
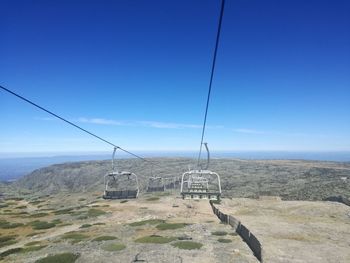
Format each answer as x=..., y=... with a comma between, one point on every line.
x=200, y=184
x=155, y=184
x=121, y=185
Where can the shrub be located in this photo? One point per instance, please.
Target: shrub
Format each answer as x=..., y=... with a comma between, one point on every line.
x=95, y=212
x=104, y=238
x=7, y=240
x=155, y=239
x=7, y=225
x=85, y=226
x=75, y=236
x=219, y=233
x=10, y=251
x=113, y=247
x=39, y=215
x=59, y=258
x=187, y=245
x=148, y=221
x=152, y=198
x=32, y=248
x=32, y=243
x=224, y=240
x=166, y=226
x=42, y=225
x=81, y=199
x=64, y=211
x=99, y=224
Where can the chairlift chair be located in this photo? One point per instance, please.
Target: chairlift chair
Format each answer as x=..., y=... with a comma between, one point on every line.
x=120, y=185
x=155, y=184
x=199, y=184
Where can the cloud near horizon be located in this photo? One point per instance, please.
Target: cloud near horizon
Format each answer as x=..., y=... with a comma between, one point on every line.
x=149, y=124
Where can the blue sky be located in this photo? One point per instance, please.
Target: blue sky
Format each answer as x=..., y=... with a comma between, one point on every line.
x=137, y=73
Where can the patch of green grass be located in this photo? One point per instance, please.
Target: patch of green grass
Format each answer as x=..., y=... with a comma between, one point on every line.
x=38, y=215
x=153, y=198
x=41, y=225
x=59, y=258
x=233, y=234
x=7, y=240
x=104, y=238
x=7, y=225
x=148, y=221
x=35, y=202
x=64, y=211
x=155, y=239
x=32, y=243
x=81, y=199
x=75, y=236
x=216, y=202
x=21, y=207
x=65, y=224
x=224, y=240
x=113, y=247
x=99, y=224
x=124, y=201
x=188, y=245
x=167, y=226
x=3, y=205
x=219, y=233
x=15, y=198
x=32, y=248
x=56, y=221
x=95, y=212
x=11, y=251
x=85, y=226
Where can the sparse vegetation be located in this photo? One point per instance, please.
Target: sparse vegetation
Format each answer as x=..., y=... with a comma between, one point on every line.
x=219, y=233
x=154, y=198
x=224, y=240
x=113, y=247
x=148, y=221
x=10, y=251
x=7, y=240
x=155, y=239
x=104, y=238
x=75, y=236
x=124, y=201
x=42, y=225
x=85, y=225
x=59, y=258
x=188, y=245
x=7, y=225
x=167, y=226
x=95, y=212
x=38, y=215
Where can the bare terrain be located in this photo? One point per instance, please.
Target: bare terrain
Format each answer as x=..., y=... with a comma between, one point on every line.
x=59, y=209
x=295, y=231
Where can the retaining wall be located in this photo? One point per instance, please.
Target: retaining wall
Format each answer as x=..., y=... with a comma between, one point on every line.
x=248, y=237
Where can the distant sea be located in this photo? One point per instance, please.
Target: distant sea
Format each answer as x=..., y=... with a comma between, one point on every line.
x=13, y=166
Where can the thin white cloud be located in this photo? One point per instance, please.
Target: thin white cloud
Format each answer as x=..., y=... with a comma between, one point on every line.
x=148, y=124
x=168, y=125
x=100, y=121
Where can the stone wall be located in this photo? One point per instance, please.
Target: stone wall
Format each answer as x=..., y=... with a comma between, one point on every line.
x=248, y=237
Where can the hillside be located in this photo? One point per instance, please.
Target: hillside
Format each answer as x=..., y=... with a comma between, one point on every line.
x=292, y=180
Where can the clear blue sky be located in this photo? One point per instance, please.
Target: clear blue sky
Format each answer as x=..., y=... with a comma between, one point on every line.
x=136, y=72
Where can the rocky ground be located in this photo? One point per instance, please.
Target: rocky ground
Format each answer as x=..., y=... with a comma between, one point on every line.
x=295, y=231
x=128, y=223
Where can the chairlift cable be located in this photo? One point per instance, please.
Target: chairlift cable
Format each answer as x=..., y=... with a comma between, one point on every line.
x=211, y=77
x=73, y=124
